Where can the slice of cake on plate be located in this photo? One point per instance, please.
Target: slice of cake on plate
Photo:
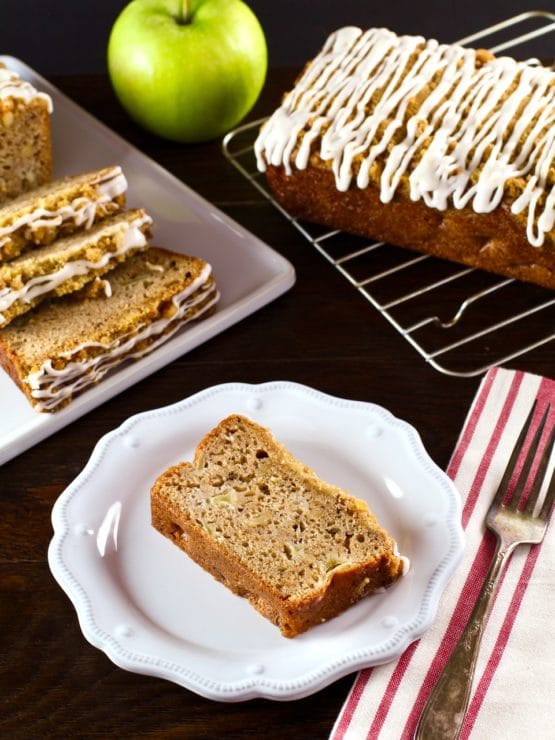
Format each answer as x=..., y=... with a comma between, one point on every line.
x=263, y=523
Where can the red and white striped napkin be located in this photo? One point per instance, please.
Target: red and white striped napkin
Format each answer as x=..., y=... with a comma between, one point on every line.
x=513, y=693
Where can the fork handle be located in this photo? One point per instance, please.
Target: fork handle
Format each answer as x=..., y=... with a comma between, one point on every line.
x=445, y=709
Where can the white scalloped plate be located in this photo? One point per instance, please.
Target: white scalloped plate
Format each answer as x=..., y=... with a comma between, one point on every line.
x=153, y=611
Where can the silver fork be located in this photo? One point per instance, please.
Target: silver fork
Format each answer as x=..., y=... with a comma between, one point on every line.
x=514, y=522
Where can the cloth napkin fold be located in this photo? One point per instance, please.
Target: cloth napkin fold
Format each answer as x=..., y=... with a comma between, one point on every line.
x=514, y=683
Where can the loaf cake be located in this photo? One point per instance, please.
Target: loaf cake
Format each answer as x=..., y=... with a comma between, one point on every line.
x=440, y=148
x=60, y=208
x=68, y=264
x=25, y=142
x=261, y=522
x=70, y=343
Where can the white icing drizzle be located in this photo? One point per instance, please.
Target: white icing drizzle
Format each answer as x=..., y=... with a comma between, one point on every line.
x=82, y=210
x=12, y=86
x=468, y=131
x=133, y=238
x=51, y=386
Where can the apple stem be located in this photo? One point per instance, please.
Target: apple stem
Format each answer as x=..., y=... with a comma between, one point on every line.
x=184, y=17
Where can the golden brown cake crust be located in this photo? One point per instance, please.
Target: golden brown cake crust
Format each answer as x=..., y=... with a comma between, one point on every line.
x=490, y=241
x=293, y=610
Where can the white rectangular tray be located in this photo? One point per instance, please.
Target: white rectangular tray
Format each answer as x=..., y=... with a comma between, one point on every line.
x=248, y=272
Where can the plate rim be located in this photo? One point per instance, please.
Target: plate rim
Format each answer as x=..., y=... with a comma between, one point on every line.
x=255, y=686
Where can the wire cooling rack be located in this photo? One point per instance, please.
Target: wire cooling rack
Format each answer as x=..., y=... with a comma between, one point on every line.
x=460, y=320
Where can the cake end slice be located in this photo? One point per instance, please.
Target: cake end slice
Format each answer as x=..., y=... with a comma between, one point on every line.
x=26, y=151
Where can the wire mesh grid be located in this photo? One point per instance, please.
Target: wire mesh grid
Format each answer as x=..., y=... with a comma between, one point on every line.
x=462, y=321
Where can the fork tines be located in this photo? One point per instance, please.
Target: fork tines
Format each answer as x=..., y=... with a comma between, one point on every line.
x=501, y=498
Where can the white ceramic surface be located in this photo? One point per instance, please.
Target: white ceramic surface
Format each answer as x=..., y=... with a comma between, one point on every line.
x=154, y=611
x=248, y=273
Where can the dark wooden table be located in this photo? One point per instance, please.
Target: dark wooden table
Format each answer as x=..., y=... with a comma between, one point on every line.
x=321, y=333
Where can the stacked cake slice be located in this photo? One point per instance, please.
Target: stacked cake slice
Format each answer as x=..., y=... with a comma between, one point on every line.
x=68, y=264
x=81, y=291
x=59, y=209
x=73, y=342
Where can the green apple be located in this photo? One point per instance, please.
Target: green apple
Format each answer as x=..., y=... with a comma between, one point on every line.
x=187, y=71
